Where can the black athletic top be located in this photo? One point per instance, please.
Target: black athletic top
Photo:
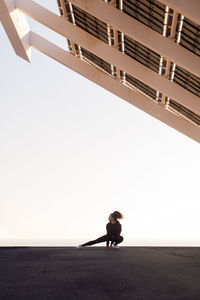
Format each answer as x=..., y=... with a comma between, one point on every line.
x=114, y=229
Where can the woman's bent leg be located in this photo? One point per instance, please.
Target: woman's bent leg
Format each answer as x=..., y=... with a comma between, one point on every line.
x=101, y=239
x=118, y=240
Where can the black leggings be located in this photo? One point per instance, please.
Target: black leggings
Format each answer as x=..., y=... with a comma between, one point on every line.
x=105, y=238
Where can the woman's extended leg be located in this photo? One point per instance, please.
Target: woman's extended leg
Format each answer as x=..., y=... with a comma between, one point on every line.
x=101, y=239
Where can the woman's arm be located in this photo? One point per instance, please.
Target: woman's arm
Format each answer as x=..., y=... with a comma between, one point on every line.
x=119, y=229
x=108, y=228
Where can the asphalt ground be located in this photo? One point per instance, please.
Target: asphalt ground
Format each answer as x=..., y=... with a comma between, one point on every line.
x=131, y=273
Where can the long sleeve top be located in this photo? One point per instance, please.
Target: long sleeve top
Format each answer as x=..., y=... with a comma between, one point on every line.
x=113, y=229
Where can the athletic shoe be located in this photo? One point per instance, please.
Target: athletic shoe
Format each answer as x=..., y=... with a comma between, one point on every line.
x=116, y=247
x=79, y=247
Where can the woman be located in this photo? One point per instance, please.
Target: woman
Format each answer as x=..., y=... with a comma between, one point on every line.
x=113, y=228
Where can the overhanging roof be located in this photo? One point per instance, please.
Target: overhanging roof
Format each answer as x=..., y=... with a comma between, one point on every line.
x=145, y=51
x=160, y=18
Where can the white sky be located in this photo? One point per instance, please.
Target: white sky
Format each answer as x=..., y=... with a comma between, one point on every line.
x=71, y=153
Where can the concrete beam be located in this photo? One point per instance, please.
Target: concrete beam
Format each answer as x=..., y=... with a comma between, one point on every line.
x=141, y=33
x=16, y=27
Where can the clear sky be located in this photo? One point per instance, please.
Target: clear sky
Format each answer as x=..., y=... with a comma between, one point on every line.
x=71, y=153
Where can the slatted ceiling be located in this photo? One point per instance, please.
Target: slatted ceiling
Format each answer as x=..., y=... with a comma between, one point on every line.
x=102, y=64
x=90, y=24
x=190, y=36
x=187, y=80
x=183, y=111
x=106, y=67
x=141, y=86
x=150, y=13
x=141, y=53
x=132, y=48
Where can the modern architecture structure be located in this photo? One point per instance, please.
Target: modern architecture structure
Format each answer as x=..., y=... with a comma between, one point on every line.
x=145, y=51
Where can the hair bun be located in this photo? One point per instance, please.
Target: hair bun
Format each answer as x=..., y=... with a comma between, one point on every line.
x=117, y=215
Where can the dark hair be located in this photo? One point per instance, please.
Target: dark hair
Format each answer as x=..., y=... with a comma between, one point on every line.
x=117, y=215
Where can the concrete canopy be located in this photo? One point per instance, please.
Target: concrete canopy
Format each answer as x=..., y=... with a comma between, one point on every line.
x=146, y=52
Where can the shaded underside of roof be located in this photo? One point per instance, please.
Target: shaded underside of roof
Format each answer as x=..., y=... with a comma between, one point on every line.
x=151, y=13
x=190, y=36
